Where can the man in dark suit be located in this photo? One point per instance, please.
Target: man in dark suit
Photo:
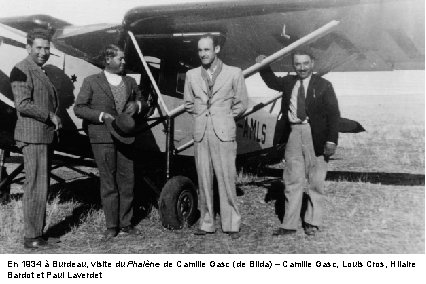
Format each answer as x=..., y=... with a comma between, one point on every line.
x=103, y=97
x=36, y=104
x=310, y=112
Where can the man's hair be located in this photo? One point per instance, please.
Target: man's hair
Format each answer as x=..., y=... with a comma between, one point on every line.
x=302, y=52
x=38, y=33
x=215, y=39
x=109, y=51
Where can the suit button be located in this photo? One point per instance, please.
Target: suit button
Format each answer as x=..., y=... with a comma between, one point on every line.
x=207, y=114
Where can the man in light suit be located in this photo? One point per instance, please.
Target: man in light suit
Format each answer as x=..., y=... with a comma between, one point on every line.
x=311, y=114
x=215, y=94
x=36, y=104
x=102, y=98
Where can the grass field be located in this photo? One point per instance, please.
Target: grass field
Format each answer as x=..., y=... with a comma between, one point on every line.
x=375, y=199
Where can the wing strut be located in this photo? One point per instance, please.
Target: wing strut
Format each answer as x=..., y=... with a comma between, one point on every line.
x=282, y=52
x=148, y=71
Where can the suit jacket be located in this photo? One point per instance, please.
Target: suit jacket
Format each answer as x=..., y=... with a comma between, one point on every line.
x=95, y=97
x=321, y=107
x=229, y=100
x=35, y=97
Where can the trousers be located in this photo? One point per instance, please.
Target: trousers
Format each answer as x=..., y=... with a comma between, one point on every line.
x=212, y=154
x=36, y=185
x=117, y=181
x=301, y=164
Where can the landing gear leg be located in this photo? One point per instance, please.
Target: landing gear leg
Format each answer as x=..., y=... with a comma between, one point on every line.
x=4, y=188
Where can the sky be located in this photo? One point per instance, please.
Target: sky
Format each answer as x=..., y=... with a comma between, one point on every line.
x=79, y=12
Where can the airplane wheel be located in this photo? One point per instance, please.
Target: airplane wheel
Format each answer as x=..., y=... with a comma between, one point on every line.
x=178, y=203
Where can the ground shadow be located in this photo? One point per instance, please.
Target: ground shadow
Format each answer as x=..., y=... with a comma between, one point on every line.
x=275, y=188
x=85, y=192
x=75, y=219
x=404, y=179
x=275, y=192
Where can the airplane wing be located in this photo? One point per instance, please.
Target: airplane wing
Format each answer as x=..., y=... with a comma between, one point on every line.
x=26, y=23
x=68, y=38
x=88, y=38
x=371, y=36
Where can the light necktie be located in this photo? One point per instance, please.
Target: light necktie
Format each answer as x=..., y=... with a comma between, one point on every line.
x=301, y=108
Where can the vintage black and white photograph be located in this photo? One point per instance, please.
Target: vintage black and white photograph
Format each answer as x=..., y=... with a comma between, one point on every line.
x=212, y=127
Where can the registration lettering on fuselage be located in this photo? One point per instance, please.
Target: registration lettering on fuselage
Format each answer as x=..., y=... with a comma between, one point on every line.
x=253, y=129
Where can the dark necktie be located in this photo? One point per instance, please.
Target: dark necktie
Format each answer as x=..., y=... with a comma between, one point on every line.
x=301, y=108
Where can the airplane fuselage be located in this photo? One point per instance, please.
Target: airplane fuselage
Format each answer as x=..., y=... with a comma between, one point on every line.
x=254, y=132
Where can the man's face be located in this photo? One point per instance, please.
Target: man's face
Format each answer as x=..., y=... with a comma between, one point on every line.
x=116, y=64
x=303, y=65
x=39, y=51
x=206, y=51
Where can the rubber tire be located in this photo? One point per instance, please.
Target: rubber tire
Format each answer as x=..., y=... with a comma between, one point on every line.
x=178, y=203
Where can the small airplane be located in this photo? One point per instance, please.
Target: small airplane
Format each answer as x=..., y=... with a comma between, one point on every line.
x=160, y=44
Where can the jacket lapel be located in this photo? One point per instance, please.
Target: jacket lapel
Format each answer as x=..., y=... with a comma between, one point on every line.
x=38, y=72
x=220, y=80
x=54, y=93
x=103, y=83
x=201, y=81
x=128, y=87
x=311, y=91
x=289, y=91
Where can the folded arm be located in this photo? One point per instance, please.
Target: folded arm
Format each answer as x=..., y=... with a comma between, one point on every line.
x=137, y=103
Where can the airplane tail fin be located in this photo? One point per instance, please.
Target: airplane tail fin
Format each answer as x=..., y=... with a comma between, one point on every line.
x=350, y=126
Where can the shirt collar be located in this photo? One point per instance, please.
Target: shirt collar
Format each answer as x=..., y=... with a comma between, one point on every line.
x=213, y=67
x=113, y=79
x=305, y=81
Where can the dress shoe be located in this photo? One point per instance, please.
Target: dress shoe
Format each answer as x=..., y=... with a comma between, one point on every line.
x=200, y=232
x=234, y=235
x=282, y=231
x=109, y=234
x=310, y=230
x=129, y=230
x=35, y=243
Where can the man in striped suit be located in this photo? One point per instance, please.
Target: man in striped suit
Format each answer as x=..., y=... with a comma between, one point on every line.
x=36, y=104
x=103, y=97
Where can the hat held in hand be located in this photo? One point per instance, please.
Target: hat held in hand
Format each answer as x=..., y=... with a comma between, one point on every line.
x=122, y=128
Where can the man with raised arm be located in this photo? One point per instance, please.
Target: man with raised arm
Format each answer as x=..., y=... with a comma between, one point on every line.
x=311, y=113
